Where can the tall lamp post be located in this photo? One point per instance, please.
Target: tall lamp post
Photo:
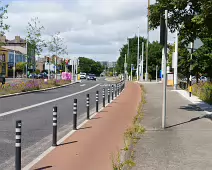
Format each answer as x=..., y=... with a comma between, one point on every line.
x=147, y=43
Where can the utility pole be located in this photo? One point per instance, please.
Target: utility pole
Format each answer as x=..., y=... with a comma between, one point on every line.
x=165, y=70
x=176, y=62
x=142, y=62
x=26, y=60
x=156, y=73
x=125, y=67
x=190, y=79
x=138, y=57
x=147, y=43
x=14, y=59
x=131, y=72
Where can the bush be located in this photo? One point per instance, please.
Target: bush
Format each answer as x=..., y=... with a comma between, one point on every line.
x=203, y=91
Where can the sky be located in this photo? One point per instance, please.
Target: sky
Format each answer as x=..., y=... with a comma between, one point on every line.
x=95, y=29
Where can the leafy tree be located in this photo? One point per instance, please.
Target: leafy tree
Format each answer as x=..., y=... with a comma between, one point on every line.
x=191, y=17
x=20, y=66
x=3, y=27
x=34, y=38
x=90, y=66
x=154, y=56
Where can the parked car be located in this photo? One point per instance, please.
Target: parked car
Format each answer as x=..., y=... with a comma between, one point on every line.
x=82, y=75
x=91, y=77
x=33, y=76
x=203, y=79
x=42, y=76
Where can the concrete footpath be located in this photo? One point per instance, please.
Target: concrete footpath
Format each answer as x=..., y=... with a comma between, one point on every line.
x=91, y=147
x=185, y=144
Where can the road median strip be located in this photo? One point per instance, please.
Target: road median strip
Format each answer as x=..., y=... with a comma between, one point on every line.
x=34, y=91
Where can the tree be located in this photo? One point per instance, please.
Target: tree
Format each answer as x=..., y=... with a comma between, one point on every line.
x=192, y=18
x=87, y=65
x=20, y=67
x=34, y=38
x=155, y=54
x=3, y=27
x=57, y=46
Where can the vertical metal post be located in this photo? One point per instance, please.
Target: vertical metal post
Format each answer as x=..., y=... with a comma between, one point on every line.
x=156, y=73
x=88, y=106
x=108, y=92
x=138, y=58
x=147, y=43
x=103, y=96
x=18, y=145
x=176, y=62
x=165, y=74
x=54, y=136
x=118, y=89
x=97, y=101
x=112, y=92
x=75, y=115
x=190, y=79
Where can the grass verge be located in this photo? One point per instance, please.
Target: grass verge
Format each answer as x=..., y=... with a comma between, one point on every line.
x=131, y=137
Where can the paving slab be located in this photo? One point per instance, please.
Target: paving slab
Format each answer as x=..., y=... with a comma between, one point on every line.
x=185, y=144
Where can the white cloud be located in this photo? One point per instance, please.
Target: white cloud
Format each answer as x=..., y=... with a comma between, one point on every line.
x=91, y=28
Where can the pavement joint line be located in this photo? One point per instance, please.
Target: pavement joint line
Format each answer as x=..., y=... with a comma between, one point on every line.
x=50, y=149
x=46, y=102
x=34, y=91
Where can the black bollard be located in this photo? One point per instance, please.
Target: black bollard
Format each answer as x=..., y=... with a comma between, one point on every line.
x=75, y=115
x=103, y=96
x=88, y=106
x=97, y=101
x=18, y=145
x=54, y=137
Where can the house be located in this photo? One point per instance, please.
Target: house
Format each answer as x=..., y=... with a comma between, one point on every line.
x=4, y=62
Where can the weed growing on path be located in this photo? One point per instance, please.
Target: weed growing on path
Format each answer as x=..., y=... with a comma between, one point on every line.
x=131, y=137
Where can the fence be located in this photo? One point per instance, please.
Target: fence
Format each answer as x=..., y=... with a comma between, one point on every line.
x=114, y=90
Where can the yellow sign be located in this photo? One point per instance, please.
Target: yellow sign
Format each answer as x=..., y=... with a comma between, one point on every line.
x=190, y=88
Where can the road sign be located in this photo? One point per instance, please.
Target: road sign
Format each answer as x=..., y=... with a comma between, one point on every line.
x=197, y=44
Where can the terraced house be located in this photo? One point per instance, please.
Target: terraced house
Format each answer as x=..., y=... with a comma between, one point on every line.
x=12, y=52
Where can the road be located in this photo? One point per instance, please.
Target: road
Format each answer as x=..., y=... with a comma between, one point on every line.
x=35, y=111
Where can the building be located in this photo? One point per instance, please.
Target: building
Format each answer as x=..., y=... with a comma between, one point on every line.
x=4, y=62
x=19, y=45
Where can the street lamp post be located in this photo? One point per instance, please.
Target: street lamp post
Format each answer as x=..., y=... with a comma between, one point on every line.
x=138, y=57
x=147, y=43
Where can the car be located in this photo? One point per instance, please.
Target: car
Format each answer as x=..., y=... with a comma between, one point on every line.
x=82, y=75
x=42, y=76
x=91, y=77
x=33, y=76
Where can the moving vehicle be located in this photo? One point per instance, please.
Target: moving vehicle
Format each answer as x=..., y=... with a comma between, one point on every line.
x=91, y=77
x=42, y=76
x=82, y=75
x=33, y=76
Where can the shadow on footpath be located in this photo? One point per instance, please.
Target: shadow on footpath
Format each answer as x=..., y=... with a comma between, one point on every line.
x=87, y=127
x=191, y=107
x=46, y=167
x=67, y=143
x=191, y=120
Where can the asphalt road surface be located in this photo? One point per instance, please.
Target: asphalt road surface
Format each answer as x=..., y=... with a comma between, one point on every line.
x=35, y=111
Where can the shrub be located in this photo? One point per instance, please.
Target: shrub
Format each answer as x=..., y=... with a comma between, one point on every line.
x=203, y=91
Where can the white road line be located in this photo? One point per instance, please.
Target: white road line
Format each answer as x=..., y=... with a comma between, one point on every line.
x=46, y=102
x=40, y=157
x=82, y=84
